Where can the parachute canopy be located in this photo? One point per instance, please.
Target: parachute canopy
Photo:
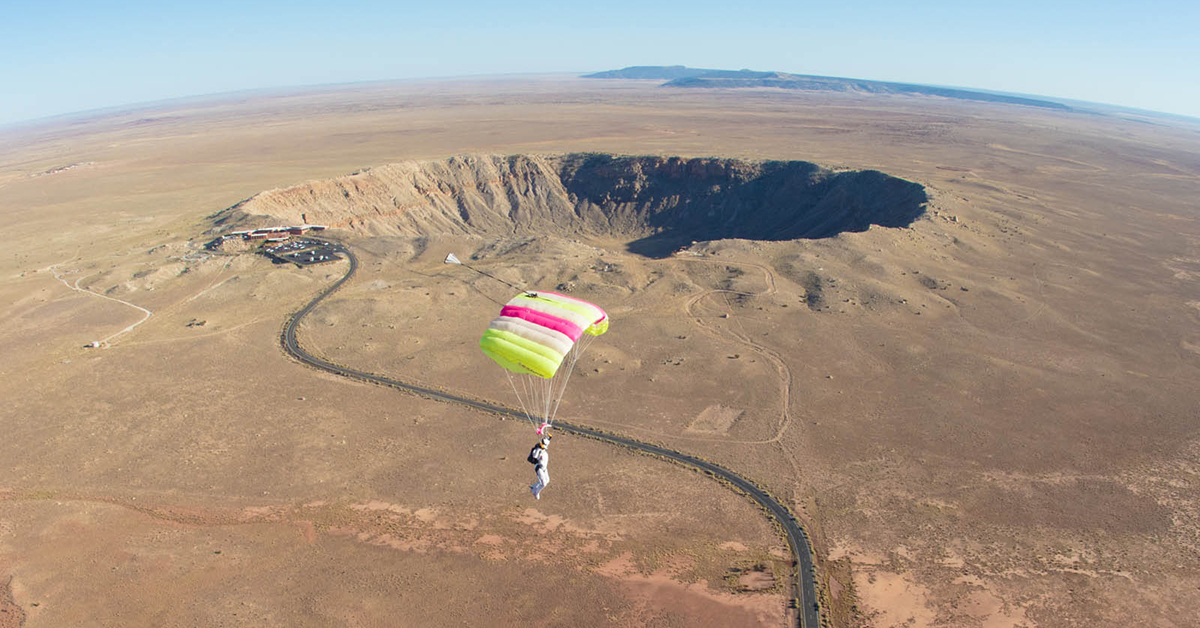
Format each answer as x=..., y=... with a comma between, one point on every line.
x=536, y=331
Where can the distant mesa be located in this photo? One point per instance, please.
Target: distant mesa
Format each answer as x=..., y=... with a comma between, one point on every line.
x=651, y=72
x=655, y=204
x=677, y=72
x=681, y=76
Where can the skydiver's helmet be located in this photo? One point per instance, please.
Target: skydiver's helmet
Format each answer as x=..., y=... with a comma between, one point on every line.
x=546, y=441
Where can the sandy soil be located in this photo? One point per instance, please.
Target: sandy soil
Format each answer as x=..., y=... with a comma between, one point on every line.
x=987, y=419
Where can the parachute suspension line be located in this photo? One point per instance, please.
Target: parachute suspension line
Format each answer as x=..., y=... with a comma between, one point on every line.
x=535, y=396
x=569, y=366
x=518, y=395
x=541, y=397
x=548, y=397
x=535, y=387
x=520, y=399
x=557, y=393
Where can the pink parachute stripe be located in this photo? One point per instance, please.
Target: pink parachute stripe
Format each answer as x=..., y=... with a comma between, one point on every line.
x=566, y=327
x=603, y=314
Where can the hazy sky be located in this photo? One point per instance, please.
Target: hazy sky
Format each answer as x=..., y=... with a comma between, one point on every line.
x=60, y=57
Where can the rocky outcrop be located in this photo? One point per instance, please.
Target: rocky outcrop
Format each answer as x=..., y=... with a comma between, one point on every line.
x=655, y=203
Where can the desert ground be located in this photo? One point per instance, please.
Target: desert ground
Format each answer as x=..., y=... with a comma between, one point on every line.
x=987, y=417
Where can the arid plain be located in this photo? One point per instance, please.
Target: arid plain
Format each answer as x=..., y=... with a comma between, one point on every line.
x=986, y=418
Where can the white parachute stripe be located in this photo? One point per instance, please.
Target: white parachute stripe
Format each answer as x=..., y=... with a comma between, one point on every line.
x=556, y=340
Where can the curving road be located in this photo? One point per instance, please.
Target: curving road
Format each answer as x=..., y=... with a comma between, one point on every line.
x=804, y=582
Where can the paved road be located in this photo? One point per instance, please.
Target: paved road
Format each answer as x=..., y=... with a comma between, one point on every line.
x=804, y=582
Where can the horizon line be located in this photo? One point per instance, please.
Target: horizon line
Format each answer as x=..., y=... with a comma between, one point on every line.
x=299, y=87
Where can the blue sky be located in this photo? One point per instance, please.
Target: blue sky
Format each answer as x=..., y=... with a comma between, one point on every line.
x=60, y=57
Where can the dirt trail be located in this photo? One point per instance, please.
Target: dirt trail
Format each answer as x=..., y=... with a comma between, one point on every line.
x=770, y=355
x=147, y=313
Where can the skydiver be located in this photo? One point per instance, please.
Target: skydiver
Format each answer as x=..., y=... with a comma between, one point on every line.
x=539, y=456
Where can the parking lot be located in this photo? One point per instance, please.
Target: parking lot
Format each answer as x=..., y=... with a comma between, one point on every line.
x=305, y=252
x=318, y=255
x=294, y=245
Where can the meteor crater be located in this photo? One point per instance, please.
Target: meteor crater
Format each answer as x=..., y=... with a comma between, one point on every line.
x=654, y=204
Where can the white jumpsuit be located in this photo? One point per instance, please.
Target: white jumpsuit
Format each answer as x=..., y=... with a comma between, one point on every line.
x=543, y=459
